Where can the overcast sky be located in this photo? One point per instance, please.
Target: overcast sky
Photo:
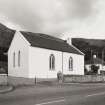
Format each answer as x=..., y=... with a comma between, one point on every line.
x=60, y=18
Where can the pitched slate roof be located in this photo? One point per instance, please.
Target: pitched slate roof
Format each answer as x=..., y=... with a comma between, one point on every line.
x=49, y=42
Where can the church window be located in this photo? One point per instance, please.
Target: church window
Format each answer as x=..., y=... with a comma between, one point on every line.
x=14, y=59
x=52, y=62
x=19, y=58
x=70, y=63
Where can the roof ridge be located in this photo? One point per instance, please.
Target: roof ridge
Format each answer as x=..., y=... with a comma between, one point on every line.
x=50, y=37
x=45, y=36
x=49, y=42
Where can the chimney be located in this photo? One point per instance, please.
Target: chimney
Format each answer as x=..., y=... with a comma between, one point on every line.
x=69, y=41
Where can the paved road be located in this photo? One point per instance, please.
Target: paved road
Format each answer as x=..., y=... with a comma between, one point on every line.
x=68, y=94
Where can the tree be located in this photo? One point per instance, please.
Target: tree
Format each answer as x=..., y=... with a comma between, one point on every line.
x=94, y=69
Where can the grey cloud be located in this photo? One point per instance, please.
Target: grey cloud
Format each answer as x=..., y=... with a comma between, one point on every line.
x=48, y=16
x=82, y=8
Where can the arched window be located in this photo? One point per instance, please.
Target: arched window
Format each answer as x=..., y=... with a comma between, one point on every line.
x=52, y=62
x=70, y=63
x=19, y=58
x=14, y=59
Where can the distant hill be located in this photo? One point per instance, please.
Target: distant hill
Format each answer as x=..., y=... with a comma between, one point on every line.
x=90, y=47
x=6, y=36
x=91, y=42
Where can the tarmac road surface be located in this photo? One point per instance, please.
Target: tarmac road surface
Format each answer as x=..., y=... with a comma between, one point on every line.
x=67, y=94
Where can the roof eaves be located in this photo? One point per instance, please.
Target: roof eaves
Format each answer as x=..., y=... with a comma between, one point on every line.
x=78, y=50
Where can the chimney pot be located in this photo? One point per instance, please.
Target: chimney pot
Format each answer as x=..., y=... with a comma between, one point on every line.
x=69, y=41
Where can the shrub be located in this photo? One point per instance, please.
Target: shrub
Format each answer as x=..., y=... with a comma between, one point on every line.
x=94, y=69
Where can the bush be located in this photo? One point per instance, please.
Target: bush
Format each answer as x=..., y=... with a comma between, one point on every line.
x=2, y=70
x=94, y=69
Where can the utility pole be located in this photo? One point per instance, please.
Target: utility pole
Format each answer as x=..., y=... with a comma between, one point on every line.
x=97, y=54
x=91, y=55
x=102, y=58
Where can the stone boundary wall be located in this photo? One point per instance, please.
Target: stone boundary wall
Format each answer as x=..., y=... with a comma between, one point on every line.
x=15, y=81
x=68, y=78
x=3, y=79
x=84, y=78
x=28, y=81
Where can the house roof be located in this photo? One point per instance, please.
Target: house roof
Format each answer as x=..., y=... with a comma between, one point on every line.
x=95, y=61
x=49, y=42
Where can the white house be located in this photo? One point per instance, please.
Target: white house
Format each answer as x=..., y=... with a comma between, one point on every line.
x=35, y=55
x=97, y=62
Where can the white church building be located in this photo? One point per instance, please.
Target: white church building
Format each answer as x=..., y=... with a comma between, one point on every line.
x=40, y=56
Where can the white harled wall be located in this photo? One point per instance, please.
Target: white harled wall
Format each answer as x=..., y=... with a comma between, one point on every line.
x=18, y=43
x=78, y=64
x=34, y=61
x=39, y=63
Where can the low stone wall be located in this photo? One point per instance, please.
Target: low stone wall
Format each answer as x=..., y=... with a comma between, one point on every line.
x=28, y=81
x=20, y=81
x=3, y=79
x=84, y=78
x=46, y=81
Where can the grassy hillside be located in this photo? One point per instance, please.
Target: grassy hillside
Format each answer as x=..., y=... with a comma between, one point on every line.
x=90, y=47
x=6, y=36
